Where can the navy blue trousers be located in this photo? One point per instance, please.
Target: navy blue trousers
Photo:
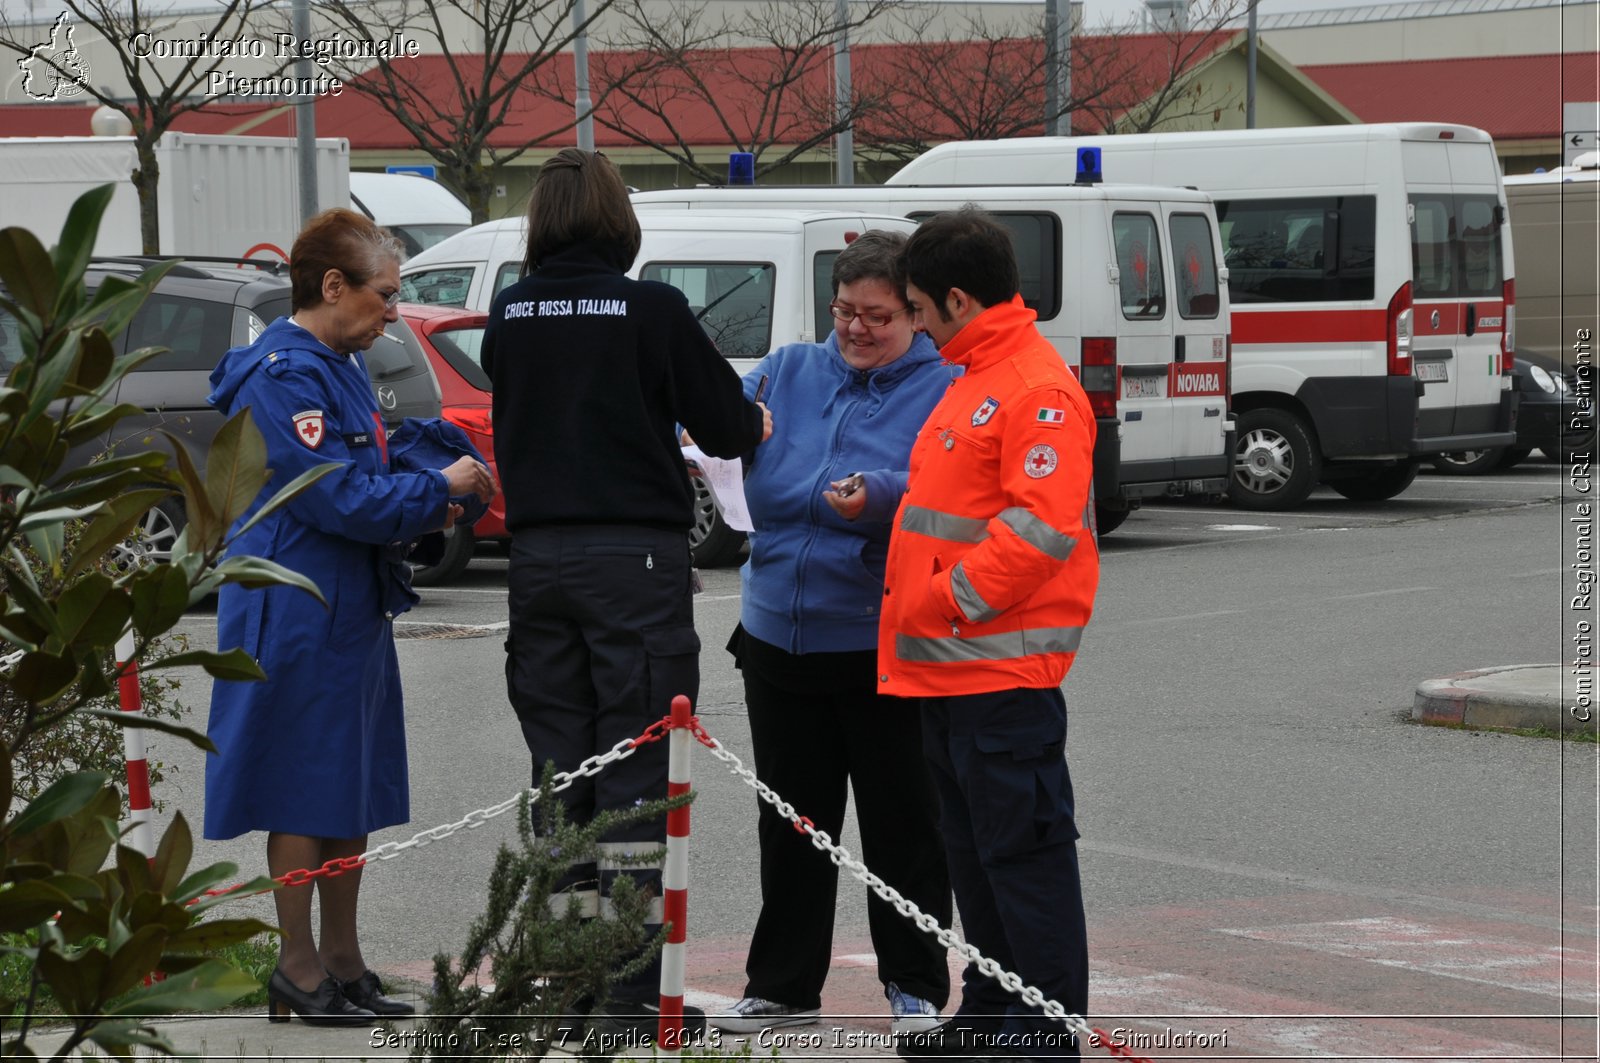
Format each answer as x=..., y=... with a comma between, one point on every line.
x=1006, y=813
x=602, y=638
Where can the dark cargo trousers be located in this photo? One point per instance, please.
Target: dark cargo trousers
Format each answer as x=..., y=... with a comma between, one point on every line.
x=601, y=639
x=1006, y=813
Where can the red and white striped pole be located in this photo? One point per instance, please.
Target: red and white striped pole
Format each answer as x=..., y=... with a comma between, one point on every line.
x=140, y=835
x=675, y=884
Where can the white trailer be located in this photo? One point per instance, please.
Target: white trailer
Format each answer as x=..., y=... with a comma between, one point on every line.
x=228, y=196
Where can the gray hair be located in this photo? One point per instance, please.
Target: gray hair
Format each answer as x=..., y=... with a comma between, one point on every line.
x=874, y=255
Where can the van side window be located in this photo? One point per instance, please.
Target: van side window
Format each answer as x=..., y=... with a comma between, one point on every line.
x=1142, y=282
x=822, y=292
x=1432, y=258
x=1479, y=230
x=1036, y=240
x=731, y=300
x=1196, y=266
x=195, y=332
x=508, y=274
x=1311, y=249
x=446, y=286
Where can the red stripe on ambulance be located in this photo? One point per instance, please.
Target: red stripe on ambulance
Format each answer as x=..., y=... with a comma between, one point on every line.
x=1310, y=326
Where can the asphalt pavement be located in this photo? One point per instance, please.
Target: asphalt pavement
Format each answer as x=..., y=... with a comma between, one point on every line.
x=1277, y=862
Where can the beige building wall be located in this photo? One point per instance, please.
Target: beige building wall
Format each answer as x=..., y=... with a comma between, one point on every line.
x=1539, y=30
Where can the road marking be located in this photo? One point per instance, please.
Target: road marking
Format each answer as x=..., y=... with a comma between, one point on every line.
x=1105, y=622
x=1434, y=950
x=1241, y=527
x=1379, y=594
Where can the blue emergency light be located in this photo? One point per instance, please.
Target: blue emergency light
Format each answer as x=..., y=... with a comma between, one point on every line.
x=1089, y=172
x=741, y=168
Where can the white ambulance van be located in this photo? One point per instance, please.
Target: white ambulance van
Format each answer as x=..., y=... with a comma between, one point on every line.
x=1371, y=279
x=419, y=211
x=756, y=282
x=1127, y=283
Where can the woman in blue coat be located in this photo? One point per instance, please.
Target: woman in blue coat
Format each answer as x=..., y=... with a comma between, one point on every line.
x=315, y=755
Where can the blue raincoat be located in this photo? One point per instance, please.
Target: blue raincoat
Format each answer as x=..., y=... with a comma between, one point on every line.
x=319, y=748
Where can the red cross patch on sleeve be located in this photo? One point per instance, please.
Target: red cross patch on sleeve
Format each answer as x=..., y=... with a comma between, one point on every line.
x=308, y=428
x=1040, y=461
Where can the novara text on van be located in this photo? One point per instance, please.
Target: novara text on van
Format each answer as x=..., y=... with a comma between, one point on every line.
x=568, y=308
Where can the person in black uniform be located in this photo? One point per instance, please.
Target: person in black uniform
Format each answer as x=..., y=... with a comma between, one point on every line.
x=592, y=374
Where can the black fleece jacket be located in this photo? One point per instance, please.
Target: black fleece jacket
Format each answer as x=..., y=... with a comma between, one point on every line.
x=591, y=372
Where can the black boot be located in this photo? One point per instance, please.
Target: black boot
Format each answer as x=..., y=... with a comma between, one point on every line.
x=324, y=1006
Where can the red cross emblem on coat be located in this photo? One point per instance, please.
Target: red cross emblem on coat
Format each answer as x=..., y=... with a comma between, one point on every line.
x=308, y=428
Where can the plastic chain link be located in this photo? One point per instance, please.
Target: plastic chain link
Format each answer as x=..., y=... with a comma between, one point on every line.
x=926, y=923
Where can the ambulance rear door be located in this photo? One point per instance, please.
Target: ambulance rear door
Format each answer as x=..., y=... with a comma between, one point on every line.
x=1197, y=383
x=1144, y=339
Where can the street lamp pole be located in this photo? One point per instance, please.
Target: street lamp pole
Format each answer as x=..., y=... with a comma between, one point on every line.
x=1058, y=53
x=580, y=62
x=845, y=138
x=305, y=117
x=1250, y=72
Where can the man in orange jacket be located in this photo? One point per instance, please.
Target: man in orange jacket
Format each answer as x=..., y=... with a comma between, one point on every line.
x=991, y=578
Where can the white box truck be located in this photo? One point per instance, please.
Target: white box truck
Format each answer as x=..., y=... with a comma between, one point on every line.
x=222, y=196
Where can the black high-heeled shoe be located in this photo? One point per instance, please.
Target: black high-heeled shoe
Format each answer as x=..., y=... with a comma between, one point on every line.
x=367, y=992
x=325, y=1006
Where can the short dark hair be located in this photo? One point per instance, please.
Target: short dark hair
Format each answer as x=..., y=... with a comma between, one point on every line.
x=874, y=255
x=337, y=239
x=579, y=198
x=964, y=249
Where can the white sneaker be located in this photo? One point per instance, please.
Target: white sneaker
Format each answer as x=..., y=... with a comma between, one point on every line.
x=753, y=1014
x=911, y=1014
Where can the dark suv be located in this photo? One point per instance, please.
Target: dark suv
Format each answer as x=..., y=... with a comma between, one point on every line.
x=197, y=311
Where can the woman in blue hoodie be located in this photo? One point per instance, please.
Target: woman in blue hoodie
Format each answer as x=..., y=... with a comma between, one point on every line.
x=315, y=755
x=822, y=494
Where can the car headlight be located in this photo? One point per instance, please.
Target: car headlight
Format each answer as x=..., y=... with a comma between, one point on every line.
x=1545, y=381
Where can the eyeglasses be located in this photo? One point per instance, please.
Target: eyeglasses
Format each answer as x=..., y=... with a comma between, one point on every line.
x=844, y=316
x=390, y=299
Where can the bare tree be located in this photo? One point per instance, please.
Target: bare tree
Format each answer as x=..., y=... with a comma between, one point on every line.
x=160, y=90
x=988, y=80
x=496, y=59
x=759, y=81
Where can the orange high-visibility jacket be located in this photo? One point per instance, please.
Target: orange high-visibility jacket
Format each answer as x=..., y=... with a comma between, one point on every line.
x=993, y=563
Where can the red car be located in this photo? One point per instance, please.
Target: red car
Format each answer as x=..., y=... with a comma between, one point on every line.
x=452, y=338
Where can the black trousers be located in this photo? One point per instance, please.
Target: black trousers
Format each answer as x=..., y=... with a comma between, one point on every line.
x=601, y=639
x=1006, y=813
x=817, y=726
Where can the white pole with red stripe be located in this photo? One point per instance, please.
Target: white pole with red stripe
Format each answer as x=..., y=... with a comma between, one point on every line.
x=140, y=835
x=675, y=884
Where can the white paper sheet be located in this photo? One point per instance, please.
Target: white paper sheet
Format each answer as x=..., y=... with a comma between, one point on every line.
x=726, y=480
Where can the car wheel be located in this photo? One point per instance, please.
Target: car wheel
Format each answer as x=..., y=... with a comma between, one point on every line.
x=1470, y=462
x=1378, y=486
x=1276, y=463
x=1511, y=457
x=1107, y=521
x=457, y=554
x=713, y=543
x=1566, y=452
x=153, y=537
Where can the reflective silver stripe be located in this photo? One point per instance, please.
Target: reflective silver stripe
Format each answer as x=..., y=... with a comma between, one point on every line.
x=937, y=525
x=1003, y=647
x=1037, y=534
x=968, y=600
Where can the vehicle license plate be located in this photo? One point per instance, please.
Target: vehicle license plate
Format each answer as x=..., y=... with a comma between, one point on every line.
x=1141, y=387
x=1432, y=372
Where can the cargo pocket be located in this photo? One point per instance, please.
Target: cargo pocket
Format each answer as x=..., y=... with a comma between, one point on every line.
x=1020, y=790
x=672, y=663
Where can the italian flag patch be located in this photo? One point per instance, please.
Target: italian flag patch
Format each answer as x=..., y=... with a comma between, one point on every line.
x=1050, y=416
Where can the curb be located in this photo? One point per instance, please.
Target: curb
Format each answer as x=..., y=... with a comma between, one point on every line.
x=1519, y=696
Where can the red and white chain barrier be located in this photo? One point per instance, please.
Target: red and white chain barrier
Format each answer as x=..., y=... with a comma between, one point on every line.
x=681, y=725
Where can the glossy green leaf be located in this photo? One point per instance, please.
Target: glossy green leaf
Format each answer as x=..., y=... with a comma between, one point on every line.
x=212, y=934
x=67, y=795
x=286, y=494
x=27, y=904
x=43, y=677
x=259, y=572
x=204, y=988
x=140, y=722
x=234, y=664
x=133, y=959
x=173, y=853
x=160, y=595
x=204, y=529
x=236, y=469
x=113, y=527
x=79, y=233
x=27, y=272
x=93, y=612
x=96, y=359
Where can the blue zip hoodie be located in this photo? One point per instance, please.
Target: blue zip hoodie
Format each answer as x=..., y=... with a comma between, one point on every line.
x=814, y=581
